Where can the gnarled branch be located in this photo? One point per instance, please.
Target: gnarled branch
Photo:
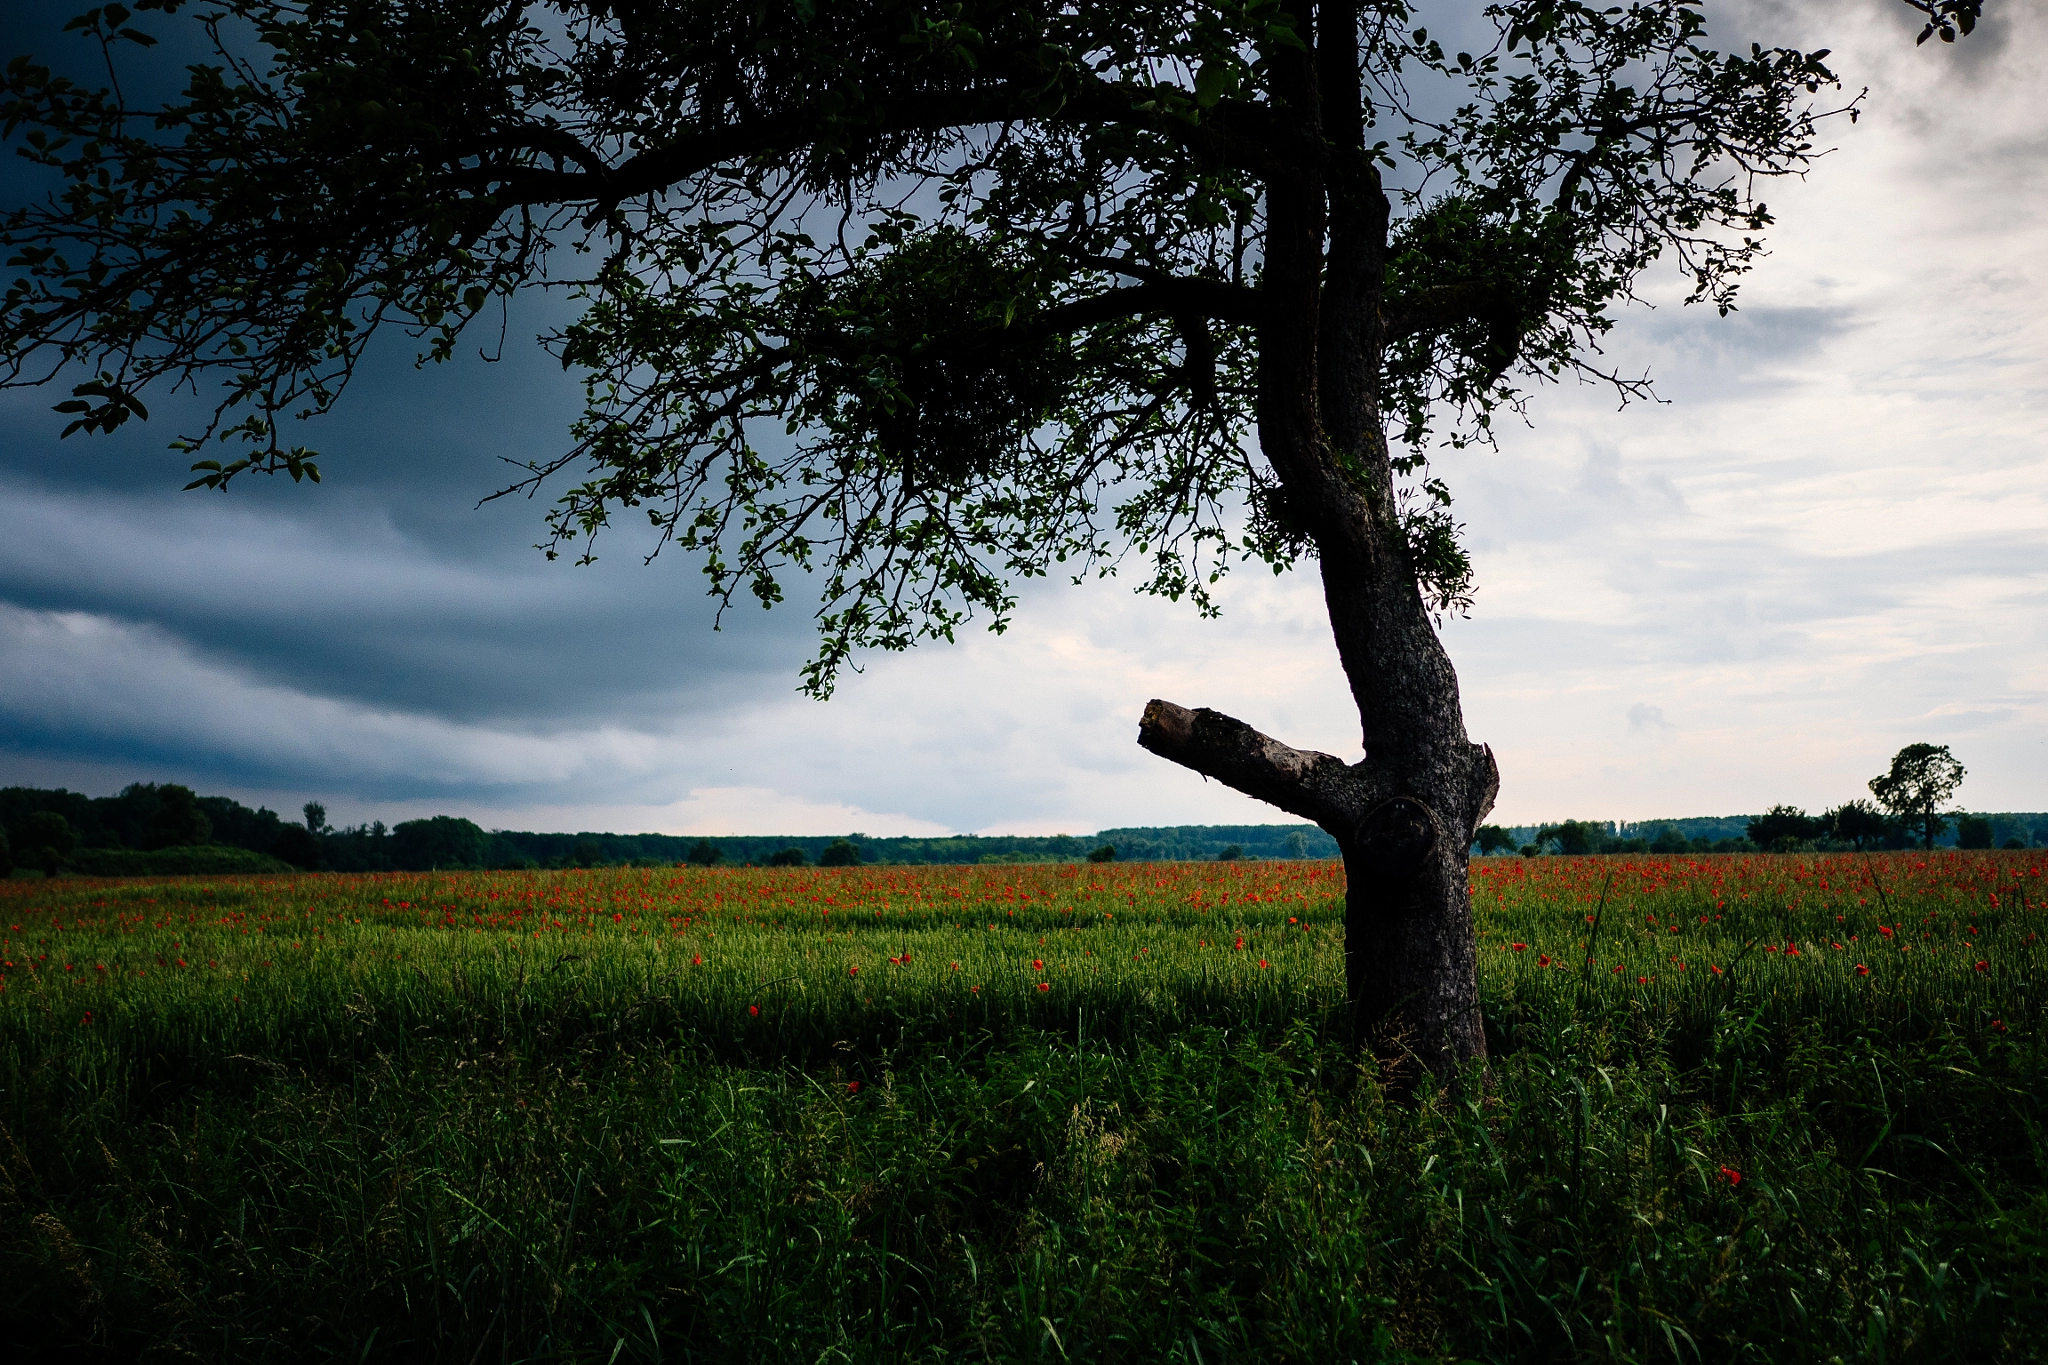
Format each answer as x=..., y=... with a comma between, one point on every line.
x=1315, y=786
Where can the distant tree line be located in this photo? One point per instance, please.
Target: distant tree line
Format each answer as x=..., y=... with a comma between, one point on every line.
x=1908, y=808
x=154, y=829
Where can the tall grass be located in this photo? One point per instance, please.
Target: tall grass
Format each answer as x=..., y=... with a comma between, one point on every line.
x=1022, y=1113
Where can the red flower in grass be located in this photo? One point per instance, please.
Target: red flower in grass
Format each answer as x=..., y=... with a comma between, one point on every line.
x=1518, y=947
x=854, y=970
x=697, y=961
x=1734, y=1176
x=1037, y=965
x=853, y=1087
x=87, y=1019
x=1262, y=962
x=1862, y=970
x=1998, y=1024
x=1045, y=985
x=1543, y=959
x=1983, y=966
x=754, y=1010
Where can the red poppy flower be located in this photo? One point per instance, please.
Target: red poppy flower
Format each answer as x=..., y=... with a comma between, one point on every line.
x=1543, y=959
x=1862, y=970
x=1998, y=1024
x=853, y=970
x=1037, y=965
x=1045, y=985
x=1734, y=1176
x=1983, y=966
x=1262, y=962
x=697, y=961
x=853, y=1087
x=753, y=1009
x=1518, y=947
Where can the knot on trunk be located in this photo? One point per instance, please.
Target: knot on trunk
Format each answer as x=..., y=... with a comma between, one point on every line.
x=1396, y=837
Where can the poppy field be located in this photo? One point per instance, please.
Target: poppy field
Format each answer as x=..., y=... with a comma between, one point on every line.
x=1738, y=1108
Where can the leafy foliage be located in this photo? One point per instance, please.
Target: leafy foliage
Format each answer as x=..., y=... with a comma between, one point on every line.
x=908, y=302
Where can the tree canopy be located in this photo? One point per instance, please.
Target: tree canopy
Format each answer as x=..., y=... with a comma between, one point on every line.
x=925, y=299
x=1919, y=783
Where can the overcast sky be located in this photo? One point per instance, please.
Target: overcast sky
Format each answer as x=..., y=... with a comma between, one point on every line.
x=1828, y=542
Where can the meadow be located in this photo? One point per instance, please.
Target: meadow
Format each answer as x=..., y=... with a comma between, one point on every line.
x=1739, y=1108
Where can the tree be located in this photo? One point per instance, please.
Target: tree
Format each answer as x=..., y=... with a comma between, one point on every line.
x=46, y=840
x=788, y=857
x=1107, y=853
x=441, y=841
x=1858, y=823
x=1669, y=839
x=1973, y=832
x=177, y=821
x=1575, y=838
x=1921, y=780
x=6, y=857
x=705, y=853
x=299, y=846
x=1020, y=282
x=1784, y=829
x=840, y=853
x=316, y=817
x=1493, y=839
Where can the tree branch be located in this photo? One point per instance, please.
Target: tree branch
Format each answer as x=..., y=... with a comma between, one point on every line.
x=1180, y=298
x=1319, y=787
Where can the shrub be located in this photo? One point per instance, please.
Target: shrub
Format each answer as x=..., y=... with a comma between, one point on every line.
x=840, y=853
x=788, y=857
x=1105, y=854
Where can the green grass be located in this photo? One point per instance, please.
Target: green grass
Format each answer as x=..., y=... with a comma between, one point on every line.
x=658, y=1115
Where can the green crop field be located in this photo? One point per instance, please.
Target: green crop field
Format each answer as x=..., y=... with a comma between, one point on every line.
x=1739, y=1108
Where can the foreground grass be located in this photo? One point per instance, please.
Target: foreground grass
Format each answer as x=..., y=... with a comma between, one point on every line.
x=1740, y=1108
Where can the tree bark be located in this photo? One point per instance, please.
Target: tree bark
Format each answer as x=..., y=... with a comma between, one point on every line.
x=1404, y=816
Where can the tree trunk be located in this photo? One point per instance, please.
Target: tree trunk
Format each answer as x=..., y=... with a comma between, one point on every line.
x=1405, y=815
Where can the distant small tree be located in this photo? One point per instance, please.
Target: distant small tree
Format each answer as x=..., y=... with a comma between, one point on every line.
x=1669, y=839
x=840, y=853
x=437, y=842
x=706, y=854
x=1922, y=779
x=1784, y=829
x=1230, y=854
x=316, y=817
x=1574, y=838
x=788, y=857
x=1297, y=845
x=46, y=840
x=6, y=857
x=297, y=845
x=1493, y=839
x=1858, y=823
x=1107, y=853
x=587, y=852
x=177, y=821
x=1973, y=832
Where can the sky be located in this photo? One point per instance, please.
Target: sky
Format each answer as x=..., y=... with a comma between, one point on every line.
x=1829, y=539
